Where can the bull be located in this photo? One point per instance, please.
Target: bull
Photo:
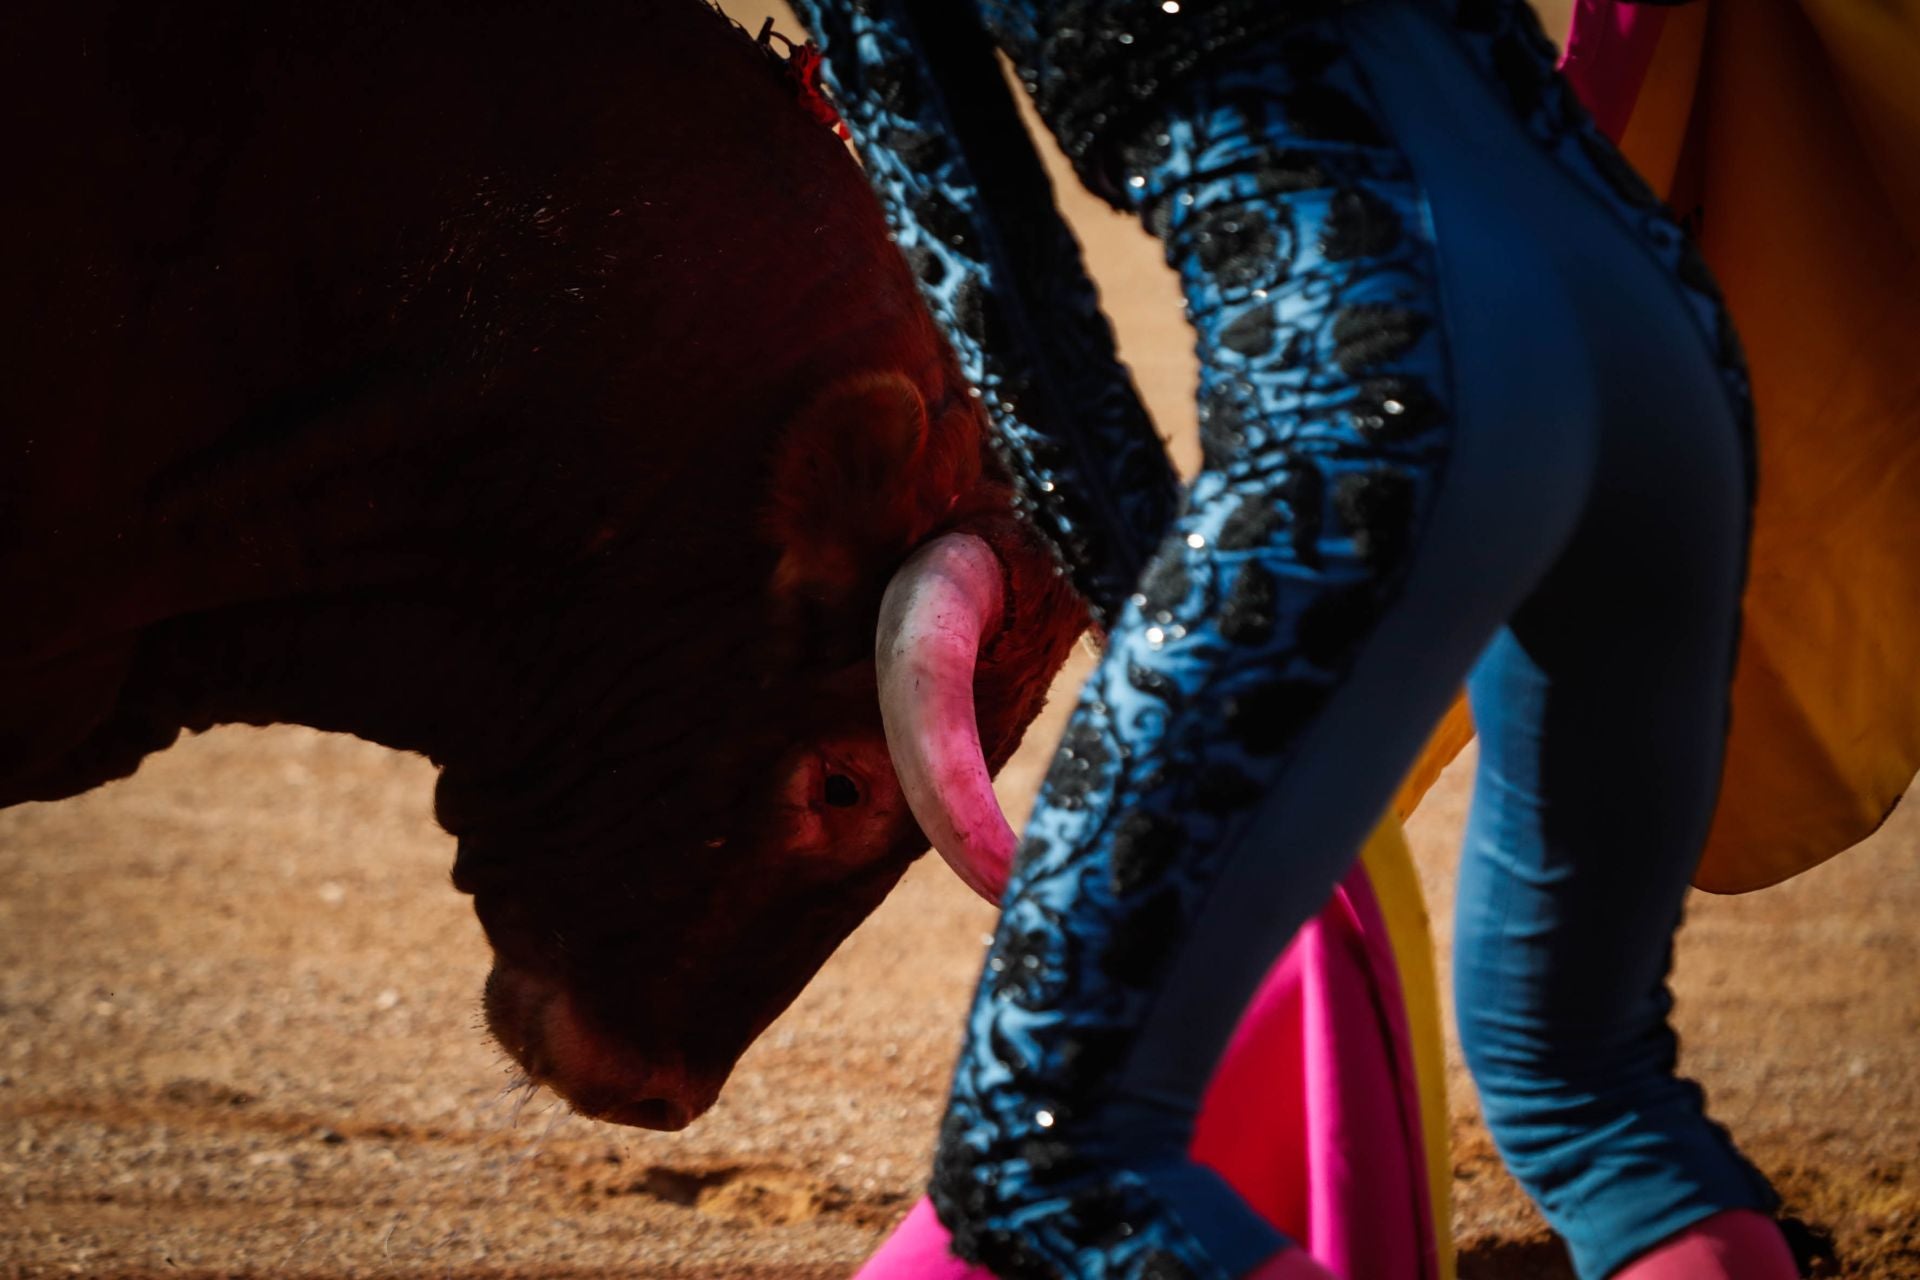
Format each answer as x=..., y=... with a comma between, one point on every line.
x=534, y=388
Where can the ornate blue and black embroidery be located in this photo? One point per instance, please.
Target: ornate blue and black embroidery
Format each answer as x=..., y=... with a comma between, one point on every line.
x=1095, y=66
x=973, y=211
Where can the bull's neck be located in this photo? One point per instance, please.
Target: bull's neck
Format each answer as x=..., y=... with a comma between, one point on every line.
x=396, y=671
x=419, y=601
x=500, y=689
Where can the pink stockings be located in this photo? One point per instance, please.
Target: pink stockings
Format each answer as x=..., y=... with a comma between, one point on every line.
x=1736, y=1245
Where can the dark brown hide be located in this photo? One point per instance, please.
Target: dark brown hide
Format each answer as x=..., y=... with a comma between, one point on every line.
x=529, y=386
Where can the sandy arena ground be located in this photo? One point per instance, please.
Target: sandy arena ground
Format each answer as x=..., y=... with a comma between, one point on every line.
x=239, y=1033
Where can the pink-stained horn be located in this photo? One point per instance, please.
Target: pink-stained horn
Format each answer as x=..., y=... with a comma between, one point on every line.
x=941, y=602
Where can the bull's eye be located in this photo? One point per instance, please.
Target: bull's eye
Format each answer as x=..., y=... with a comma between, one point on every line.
x=842, y=791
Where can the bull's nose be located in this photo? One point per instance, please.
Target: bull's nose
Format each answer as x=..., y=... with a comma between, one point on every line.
x=537, y=1022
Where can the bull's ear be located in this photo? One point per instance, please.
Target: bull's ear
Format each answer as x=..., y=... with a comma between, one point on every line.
x=858, y=479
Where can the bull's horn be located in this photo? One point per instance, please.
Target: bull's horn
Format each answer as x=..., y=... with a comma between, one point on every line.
x=940, y=603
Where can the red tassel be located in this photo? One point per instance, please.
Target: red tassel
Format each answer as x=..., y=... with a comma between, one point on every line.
x=807, y=64
x=804, y=64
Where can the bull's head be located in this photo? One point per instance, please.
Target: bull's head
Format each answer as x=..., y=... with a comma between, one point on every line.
x=908, y=631
x=574, y=452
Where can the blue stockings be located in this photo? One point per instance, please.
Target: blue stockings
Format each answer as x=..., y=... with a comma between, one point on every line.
x=1469, y=407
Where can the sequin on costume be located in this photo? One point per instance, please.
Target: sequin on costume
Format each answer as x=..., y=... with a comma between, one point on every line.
x=1302, y=242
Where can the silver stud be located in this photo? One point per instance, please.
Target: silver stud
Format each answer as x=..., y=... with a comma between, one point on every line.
x=1196, y=540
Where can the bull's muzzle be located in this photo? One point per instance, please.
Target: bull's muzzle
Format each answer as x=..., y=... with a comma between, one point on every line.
x=539, y=1023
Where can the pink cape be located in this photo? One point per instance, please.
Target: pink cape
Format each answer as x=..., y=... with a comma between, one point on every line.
x=1609, y=49
x=1314, y=1115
